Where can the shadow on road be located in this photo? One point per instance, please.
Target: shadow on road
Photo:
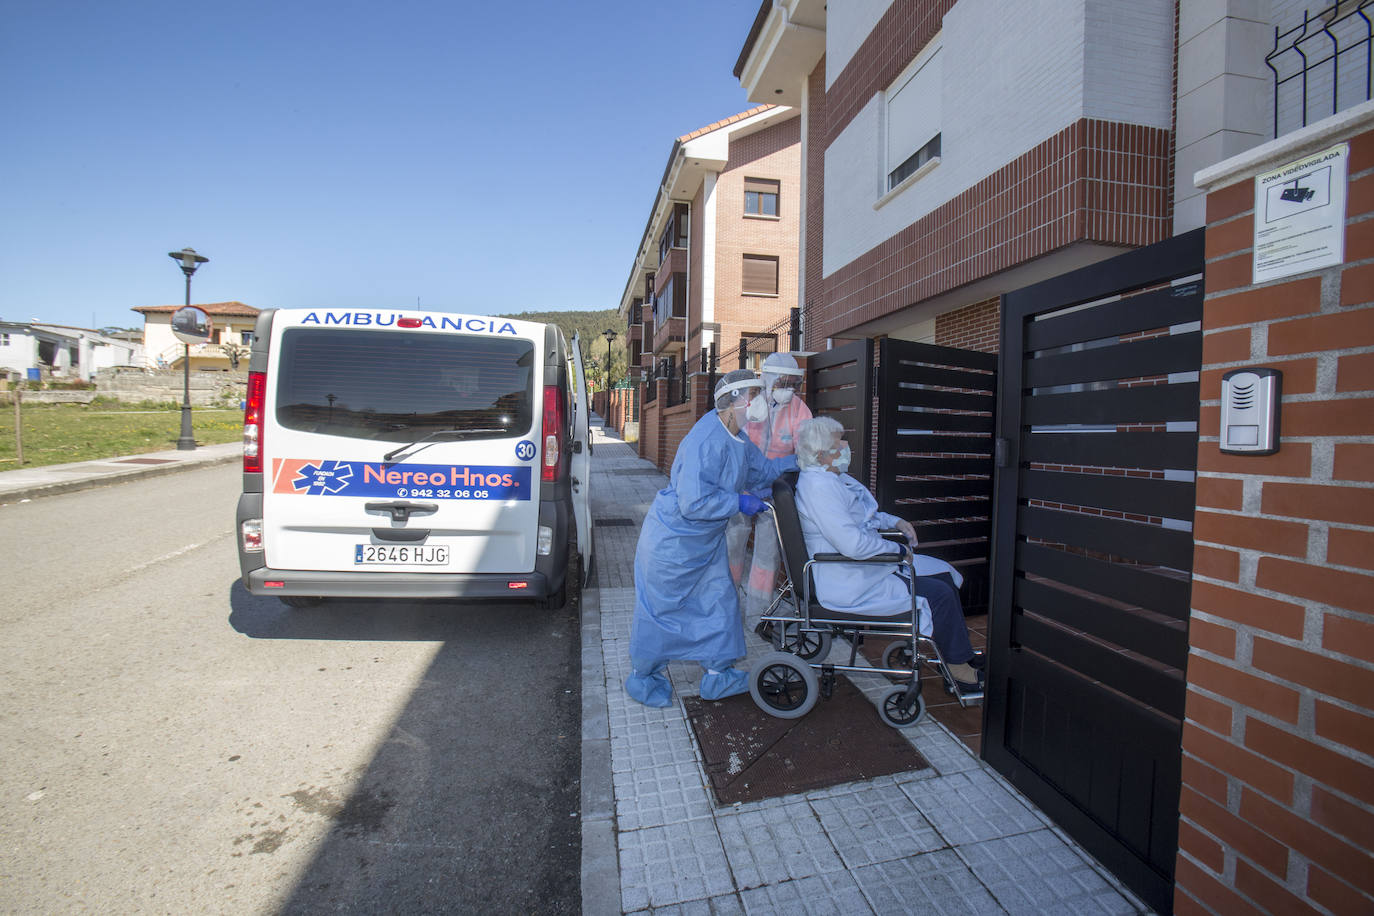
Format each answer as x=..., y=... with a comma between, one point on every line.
x=261, y=617
x=470, y=803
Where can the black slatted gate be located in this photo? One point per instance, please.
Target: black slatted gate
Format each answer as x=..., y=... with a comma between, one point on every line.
x=935, y=452
x=839, y=385
x=1088, y=629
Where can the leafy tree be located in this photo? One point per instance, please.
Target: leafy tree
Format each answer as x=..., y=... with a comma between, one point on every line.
x=590, y=324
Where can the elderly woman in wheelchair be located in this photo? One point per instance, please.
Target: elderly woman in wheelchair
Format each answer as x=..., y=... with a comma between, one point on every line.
x=853, y=571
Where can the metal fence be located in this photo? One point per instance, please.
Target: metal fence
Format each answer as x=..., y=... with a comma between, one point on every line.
x=1321, y=66
x=785, y=335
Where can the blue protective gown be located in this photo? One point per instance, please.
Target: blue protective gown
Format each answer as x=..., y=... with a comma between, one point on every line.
x=685, y=601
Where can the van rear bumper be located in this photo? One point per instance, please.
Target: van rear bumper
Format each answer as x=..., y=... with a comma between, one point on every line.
x=324, y=584
x=543, y=582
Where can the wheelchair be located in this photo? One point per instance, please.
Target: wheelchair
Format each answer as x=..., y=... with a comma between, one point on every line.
x=788, y=682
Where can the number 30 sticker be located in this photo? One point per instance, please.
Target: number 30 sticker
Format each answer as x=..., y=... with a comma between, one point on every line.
x=524, y=450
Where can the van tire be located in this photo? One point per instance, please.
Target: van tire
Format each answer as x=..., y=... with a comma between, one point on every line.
x=299, y=601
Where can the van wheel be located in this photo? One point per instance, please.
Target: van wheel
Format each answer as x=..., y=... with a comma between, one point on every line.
x=299, y=600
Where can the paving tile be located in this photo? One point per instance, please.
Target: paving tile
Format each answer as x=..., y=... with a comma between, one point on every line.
x=676, y=863
x=1038, y=872
x=650, y=747
x=774, y=844
x=726, y=905
x=875, y=824
x=945, y=753
x=659, y=796
x=834, y=894
x=936, y=882
x=972, y=807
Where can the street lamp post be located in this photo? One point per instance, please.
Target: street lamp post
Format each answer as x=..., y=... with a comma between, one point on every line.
x=188, y=260
x=610, y=336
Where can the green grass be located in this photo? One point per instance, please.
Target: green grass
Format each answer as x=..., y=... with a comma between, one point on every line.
x=58, y=433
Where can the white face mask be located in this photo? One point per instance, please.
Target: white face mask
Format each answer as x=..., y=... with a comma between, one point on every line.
x=758, y=410
x=782, y=395
x=841, y=462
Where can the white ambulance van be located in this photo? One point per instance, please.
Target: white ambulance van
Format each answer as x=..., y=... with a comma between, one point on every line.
x=412, y=454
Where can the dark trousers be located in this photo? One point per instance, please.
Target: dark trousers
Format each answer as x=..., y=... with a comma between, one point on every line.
x=946, y=617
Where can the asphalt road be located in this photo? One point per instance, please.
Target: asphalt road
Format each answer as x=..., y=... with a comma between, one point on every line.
x=171, y=744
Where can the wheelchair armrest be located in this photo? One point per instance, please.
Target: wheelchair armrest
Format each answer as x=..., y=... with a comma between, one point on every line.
x=886, y=559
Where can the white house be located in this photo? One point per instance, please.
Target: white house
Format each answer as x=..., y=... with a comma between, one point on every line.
x=231, y=333
x=54, y=350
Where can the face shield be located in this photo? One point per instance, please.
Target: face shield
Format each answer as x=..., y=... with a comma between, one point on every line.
x=736, y=389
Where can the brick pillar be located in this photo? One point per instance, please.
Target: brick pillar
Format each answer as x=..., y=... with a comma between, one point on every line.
x=1277, y=806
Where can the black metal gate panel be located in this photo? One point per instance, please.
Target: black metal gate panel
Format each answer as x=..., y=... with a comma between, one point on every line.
x=839, y=384
x=936, y=418
x=1092, y=558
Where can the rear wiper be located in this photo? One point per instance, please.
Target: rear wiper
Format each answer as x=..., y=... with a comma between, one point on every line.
x=455, y=433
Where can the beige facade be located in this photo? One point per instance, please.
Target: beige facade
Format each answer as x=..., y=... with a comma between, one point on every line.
x=231, y=333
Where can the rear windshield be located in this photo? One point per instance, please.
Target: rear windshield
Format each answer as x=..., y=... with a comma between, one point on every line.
x=395, y=386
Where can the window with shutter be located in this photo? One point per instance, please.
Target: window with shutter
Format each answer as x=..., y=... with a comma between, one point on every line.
x=761, y=197
x=760, y=275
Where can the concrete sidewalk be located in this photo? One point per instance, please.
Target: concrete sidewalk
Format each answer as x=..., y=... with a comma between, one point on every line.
x=27, y=483
x=953, y=838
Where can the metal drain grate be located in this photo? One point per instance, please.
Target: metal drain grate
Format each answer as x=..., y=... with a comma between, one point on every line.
x=749, y=755
x=614, y=523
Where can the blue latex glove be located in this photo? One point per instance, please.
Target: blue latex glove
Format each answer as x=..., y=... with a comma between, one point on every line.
x=750, y=504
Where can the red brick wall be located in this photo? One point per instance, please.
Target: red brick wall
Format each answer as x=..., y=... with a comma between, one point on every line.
x=650, y=425
x=1277, y=808
x=973, y=327
x=1097, y=181
x=616, y=407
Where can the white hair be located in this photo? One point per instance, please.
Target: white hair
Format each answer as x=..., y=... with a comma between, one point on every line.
x=815, y=436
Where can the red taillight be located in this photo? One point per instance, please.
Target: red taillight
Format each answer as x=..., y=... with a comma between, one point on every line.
x=252, y=423
x=409, y=323
x=517, y=585
x=555, y=446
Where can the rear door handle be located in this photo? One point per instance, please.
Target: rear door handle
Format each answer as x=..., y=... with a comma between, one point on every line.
x=401, y=511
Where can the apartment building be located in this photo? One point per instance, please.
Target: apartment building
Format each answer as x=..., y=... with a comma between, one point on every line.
x=716, y=272
x=1181, y=663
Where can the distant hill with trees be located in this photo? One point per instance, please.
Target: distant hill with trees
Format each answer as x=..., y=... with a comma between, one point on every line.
x=590, y=324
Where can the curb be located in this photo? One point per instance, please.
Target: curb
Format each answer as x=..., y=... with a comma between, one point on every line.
x=122, y=475
x=600, y=854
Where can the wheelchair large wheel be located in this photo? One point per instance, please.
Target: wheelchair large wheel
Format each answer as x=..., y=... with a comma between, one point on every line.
x=894, y=709
x=807, y=644
x=898, y=655
x=784, y=686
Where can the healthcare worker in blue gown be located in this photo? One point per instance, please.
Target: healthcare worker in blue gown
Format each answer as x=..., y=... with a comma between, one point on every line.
x=685, y=602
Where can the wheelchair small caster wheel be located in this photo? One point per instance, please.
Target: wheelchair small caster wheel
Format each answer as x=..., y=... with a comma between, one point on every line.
x=784, y=686
x=805, y=644
x=897, y=711
x=898, y=655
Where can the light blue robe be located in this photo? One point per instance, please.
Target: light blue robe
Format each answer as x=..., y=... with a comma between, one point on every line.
x=685, y=601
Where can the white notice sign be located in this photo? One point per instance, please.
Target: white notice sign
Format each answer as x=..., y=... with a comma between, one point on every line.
x=1300, y=215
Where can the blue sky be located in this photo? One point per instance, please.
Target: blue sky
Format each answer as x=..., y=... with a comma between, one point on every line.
x=486, y=158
